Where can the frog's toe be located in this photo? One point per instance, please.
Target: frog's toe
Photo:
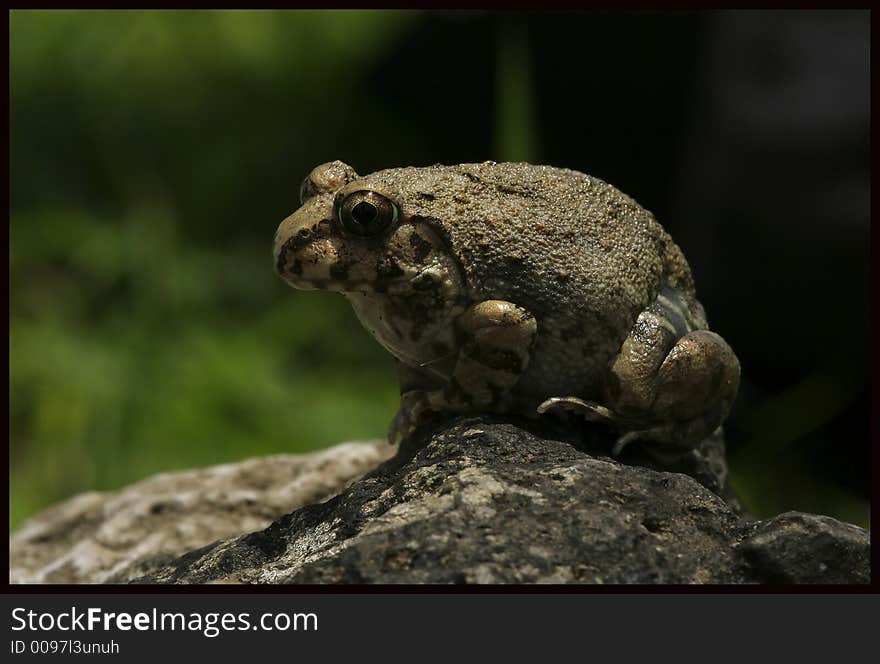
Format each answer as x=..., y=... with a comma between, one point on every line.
x=667, y=442
x=589, y=410
x=662, y=454
x=623, y=441
x=399, y=429
x=415, y=408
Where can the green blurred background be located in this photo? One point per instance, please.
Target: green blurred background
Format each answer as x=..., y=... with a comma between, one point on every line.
x=154, y=153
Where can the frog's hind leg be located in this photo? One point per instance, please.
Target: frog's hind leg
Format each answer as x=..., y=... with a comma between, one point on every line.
x=673, y=381
x=671, y=384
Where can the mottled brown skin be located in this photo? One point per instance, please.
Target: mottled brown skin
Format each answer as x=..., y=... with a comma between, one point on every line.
x=513, y=288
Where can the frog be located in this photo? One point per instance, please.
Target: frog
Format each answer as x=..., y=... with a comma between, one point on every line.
x=516, y=289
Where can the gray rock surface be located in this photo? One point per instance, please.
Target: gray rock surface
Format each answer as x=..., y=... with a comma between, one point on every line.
x=116, y=536
x=480, y=500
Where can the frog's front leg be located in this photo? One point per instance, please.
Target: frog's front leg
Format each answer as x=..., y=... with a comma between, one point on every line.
x=495, y=340
x=671, y=384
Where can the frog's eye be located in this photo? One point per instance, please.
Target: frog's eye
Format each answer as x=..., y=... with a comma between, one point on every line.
x=365, y=213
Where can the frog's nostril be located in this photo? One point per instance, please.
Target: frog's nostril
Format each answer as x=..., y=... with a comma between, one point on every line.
x=301, y=239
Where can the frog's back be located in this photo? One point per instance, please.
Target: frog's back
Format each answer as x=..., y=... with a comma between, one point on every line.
x=546, y=237
x=582, y=256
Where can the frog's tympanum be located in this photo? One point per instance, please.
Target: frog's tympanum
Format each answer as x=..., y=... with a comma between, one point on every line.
x=518, y=289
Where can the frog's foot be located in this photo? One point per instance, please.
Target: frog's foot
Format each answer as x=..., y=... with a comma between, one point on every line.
x=594, y=412
x=665, y=444
x=416, y=408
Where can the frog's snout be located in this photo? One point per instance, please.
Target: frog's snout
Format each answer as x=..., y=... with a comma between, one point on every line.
x=310, y=254
x=302, y=251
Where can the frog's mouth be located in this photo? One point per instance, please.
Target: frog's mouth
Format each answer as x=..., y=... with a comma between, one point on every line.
x=322, y=265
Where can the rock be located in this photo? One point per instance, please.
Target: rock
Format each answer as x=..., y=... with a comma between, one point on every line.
x=97, y=537
x=806, y=548
x=482, y=500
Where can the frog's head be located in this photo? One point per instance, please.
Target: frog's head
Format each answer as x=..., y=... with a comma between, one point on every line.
x=349, y=234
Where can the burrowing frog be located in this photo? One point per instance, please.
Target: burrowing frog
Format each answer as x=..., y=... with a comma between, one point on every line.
x=513, y=288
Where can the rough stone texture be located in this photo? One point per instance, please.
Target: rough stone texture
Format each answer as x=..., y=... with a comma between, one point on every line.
x=98, y=537
x=481, y=500
x=807, y=548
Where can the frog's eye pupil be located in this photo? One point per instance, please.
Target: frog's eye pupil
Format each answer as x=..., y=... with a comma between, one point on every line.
x=364, y=213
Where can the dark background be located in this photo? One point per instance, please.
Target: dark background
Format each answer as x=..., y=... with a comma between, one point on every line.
x=154, y=153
